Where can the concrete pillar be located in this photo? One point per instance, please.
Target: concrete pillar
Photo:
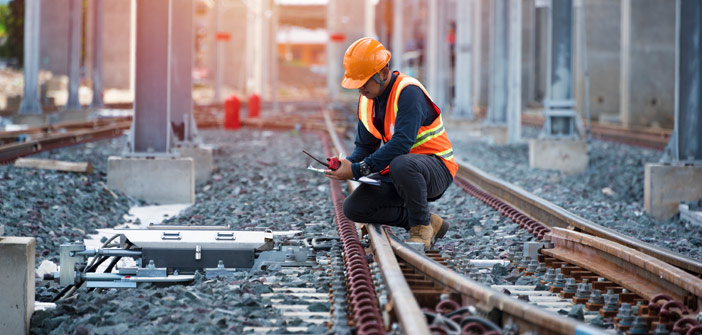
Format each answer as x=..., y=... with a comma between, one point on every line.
x=397, y=34
x=30, y=101
x=559, y=146
x=335, y=51
x=464, y=51
x=97, y=7
x=74, y=54
x=514, y=82
x=151, y=172
x=219, y=53
x=541, y=49
x=181, y=67
x=686, y=144
x=602, y=30
x=17, y=282
x=647, y=63
x=477, y=48
x=437, y=54
x=528, y=52
x=499, y=62
x=666, y=185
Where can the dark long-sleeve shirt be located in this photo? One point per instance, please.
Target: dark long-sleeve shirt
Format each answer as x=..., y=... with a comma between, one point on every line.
x=413, y=112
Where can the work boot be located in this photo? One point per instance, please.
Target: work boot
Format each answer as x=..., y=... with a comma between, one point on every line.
x=438, y=226
x=421, y=234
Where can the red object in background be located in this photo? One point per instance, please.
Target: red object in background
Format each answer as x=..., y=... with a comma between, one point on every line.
x=231, y=113
x=222, y=36
x=254, y=106
x=337, y=37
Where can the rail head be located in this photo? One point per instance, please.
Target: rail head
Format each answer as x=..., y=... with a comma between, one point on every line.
x=528, y=317
x=553, y=215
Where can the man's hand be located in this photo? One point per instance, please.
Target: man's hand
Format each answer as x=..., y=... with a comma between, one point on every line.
x=342, y=173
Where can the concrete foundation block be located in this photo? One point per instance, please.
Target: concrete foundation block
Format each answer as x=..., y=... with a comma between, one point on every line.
x=568, y=156
x=204, y=163
x=74, y=115
x=498, y=134
x=31, y=120
x=665, y=186
x=162, y=180
x=16, y=284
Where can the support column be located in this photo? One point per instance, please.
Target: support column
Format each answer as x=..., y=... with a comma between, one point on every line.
x=647, y=63
x=477, y=25
x=559, y=146
x=437, y=54
x=335, y=51
x=219, y=53
x=677, y=180
x=397, y=34
x=464, y=51
x=150, y=171
x=97, y=53
x=74, y=53
x=499, y=57
x=30, y=101
x=514, y=104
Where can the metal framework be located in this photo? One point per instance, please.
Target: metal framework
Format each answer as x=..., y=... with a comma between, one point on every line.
x=685, y=144
x=559, y=104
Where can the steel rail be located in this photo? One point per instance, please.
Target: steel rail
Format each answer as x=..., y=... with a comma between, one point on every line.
x=527, y=316
x=644, y=137
x=405, y=306
x=638, y=272
x=553, y=215
x=10, y=152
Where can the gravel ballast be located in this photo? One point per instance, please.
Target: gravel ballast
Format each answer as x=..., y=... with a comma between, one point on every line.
x=609, y=192
x=260, y=181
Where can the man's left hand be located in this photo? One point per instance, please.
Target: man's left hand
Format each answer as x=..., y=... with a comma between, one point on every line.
x=342, y=173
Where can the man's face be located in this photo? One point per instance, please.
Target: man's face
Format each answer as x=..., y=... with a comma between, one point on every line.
x=371, y=89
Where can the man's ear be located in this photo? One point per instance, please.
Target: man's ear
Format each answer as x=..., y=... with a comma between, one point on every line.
x=386, y=73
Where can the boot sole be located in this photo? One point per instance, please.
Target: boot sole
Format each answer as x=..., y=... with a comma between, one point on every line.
x=442, y=231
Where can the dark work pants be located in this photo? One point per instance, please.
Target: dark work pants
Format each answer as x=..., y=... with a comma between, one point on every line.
x=416, y=180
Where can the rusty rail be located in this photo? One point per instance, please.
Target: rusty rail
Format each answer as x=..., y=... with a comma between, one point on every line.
x=11, y=151
x=643, y=137
x=554, y=216
x=638, y=272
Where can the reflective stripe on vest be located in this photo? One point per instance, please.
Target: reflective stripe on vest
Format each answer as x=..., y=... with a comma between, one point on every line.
x=431, y=139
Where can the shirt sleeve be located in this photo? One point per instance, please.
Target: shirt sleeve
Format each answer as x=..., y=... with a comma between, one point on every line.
x=412, y=111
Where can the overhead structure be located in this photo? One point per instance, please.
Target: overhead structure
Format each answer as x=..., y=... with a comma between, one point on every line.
x=75, y=28
x=559, y=105
x=30, y=101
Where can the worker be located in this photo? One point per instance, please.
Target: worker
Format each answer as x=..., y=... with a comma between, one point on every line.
x=415, y=163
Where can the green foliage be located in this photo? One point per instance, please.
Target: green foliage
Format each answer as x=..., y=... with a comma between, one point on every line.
x=12, y=22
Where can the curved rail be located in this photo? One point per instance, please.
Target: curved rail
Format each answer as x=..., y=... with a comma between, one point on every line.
x=555, y=216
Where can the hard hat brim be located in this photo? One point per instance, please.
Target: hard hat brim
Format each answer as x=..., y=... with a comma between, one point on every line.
x=352, y=84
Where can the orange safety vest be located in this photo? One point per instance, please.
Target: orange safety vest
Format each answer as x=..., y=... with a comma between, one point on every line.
x=431, y=139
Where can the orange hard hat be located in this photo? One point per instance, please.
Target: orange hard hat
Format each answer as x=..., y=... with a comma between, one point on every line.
x=362, y=60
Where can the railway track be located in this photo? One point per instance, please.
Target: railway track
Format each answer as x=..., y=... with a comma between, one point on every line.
x=643, y=137
x=391, y=288
x=634, y=286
